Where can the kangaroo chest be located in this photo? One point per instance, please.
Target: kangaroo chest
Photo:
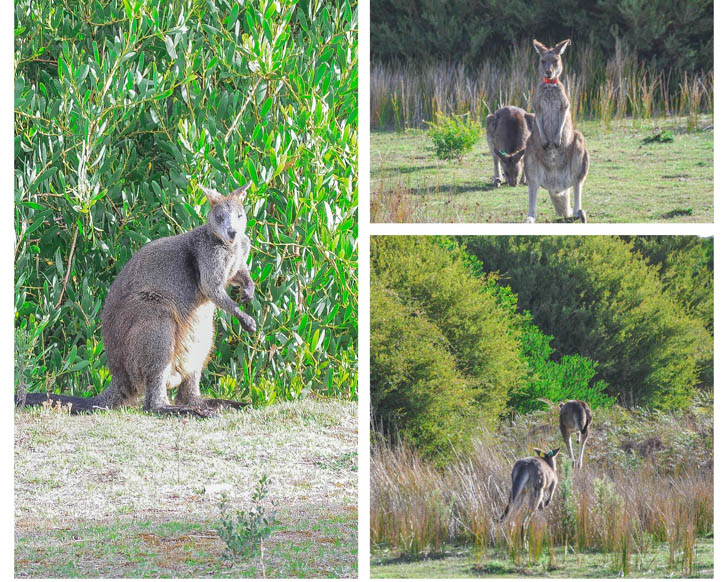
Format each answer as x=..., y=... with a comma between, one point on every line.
x=552, y=108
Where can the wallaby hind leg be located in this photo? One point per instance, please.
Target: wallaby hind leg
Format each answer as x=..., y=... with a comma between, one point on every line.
x=584, y=437
x=188, y=393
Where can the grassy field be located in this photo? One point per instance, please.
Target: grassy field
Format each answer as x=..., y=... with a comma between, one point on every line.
x=128, y=494
x=461, y=562
x=641, y=506
x=629, y=180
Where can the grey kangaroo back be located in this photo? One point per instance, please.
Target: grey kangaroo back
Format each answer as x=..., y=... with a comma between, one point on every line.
x=556, y=156
x=533, y=482
x=575, y=416
x=508, y=130
x=157, y=320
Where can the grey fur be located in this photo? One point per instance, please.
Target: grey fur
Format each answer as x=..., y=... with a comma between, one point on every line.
x=507, y=132
x=575, y=416
x=157, y=320
x=532, y=479
x=556, y=156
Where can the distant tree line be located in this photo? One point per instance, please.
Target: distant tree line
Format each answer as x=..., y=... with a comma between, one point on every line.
x=667, y=34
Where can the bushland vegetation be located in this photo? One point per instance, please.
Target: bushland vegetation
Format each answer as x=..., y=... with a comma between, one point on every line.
x=474, y=341
x=122, y=110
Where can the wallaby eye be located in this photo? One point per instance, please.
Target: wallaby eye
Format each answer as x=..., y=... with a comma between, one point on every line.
x=219, y=219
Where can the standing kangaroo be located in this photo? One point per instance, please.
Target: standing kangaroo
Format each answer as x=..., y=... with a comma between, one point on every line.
x=575, y=416
x=507, y=132
x=157, y=320
x=556, y=155
x=531, y=479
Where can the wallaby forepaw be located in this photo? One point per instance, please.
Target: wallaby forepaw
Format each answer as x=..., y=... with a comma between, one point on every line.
x=247, y=294
x=248, y=323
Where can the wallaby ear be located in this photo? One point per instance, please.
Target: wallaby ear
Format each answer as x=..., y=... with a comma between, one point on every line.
x=240, y=192
x=540, y=48
x=561, y=47
x=213, y=196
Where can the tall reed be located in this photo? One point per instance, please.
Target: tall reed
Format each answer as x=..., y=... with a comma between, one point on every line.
x=406, y=95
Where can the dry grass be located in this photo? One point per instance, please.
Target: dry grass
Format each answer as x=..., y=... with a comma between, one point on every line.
x=116, y=480
x=406, y=95
x=647, y=480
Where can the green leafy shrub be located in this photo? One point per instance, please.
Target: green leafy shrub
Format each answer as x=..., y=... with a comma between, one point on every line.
x=444, y=353
x=244, y=534
x=599, y=298
x=454, y=135
x=122, y=109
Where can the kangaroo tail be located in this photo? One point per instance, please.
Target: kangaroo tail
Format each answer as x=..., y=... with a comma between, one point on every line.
x=519, y=482
x=77, y=403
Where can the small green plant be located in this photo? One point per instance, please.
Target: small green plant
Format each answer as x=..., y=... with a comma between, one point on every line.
x=244, y=533
x=453, y=136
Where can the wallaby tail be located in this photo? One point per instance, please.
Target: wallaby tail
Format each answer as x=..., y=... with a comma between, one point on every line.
x=518, y=484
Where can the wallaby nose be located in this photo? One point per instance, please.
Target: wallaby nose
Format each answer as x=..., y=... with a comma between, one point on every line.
x=231, y=234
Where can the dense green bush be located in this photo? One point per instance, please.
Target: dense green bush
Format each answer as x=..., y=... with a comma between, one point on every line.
x=601, y=299
x=122, y=109
x=450, y=352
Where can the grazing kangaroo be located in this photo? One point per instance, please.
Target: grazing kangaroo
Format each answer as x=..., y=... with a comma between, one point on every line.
x=575, y=416
x=157, y=320
x=556, y=155
x=507, y=132
x=533, y=482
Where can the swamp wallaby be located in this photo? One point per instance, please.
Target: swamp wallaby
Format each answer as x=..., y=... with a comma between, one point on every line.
x=157, y=320
x=533, y=482
x=575, y=416
x=507, y=132
x=556, y=155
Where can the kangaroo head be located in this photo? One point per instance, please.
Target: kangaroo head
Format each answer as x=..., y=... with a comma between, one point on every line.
x=227, y=219
x=550, y=65
x=512, y=165
x=549, y=457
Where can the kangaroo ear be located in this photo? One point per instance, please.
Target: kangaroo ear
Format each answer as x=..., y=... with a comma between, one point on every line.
x=213, y=196
x=240, y=192
x=540, y=48
x=530, y=121
x=518, y=155
x=554, y=452
x=539, y=452
x=561, y=47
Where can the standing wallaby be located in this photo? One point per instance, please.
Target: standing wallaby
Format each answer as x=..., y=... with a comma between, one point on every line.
x=575, y=416
x=157, y=320
x=507, y=132
x=532, y=479
x=533, y=482
x=556, y=155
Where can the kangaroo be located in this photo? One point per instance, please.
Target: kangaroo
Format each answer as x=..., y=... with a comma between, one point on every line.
x=575, y=416
x=532, y=479
x=507, y=132
x=556, y=156
x=157, y=320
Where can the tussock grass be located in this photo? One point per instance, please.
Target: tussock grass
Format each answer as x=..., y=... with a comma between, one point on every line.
x=406, y=95
x=647, y=482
